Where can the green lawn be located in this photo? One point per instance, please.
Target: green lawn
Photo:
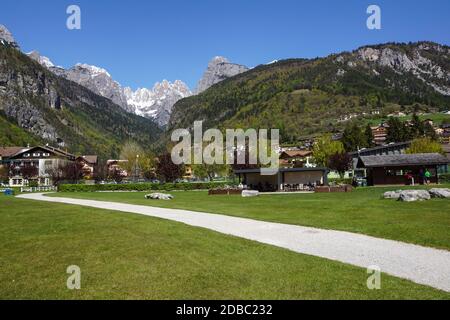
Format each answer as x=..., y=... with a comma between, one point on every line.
x=363, y=211
x=135, y=257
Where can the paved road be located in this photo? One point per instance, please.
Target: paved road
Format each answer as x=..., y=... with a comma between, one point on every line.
x=419, y=264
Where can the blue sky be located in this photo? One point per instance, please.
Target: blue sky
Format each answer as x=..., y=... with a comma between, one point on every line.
x=143, y=41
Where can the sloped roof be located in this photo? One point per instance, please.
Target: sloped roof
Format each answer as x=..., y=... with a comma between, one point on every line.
x=380, y=148
x=10, y=151
x=403, y=160
x=446, y=148
x=90, y=159
x=258, y=170
x=56, y=151
x=296, y=153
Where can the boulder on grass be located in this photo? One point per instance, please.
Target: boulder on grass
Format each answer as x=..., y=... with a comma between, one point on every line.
x=414, y=195
x=392, y=194
x=440, y=193
x=249, y=193
x=159, y=196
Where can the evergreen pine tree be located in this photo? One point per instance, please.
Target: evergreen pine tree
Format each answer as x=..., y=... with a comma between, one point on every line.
x=368, y=136
x=429, y=132
x=397, y=132
x=417, y=127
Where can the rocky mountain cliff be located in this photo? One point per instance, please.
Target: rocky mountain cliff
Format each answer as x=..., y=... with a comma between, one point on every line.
x=7, y=38
x=304, y=97
x=427, y=62
x=99, y=81
x=155, y=103
x=219, y=69
x=55, y=110
x=96, y=79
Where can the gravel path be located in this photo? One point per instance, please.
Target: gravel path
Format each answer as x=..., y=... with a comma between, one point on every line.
x=416, y=263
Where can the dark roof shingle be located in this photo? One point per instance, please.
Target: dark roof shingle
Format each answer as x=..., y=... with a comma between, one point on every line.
x=10, y=151
x=403, y=160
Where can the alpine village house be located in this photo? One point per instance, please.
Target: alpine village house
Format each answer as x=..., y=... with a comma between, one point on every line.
x=36, y=164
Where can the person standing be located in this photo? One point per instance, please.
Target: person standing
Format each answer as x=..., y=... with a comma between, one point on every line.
x=427, y=176
x=422, y=176
x=409, y=179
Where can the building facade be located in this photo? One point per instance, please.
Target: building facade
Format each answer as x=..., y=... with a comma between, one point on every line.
x=286, y=179
x=402, y=169
x=88, y=165
x=35, y=165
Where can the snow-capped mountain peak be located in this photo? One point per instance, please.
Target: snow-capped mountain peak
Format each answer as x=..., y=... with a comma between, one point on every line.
x=41, y=59
x=93, y=70
x=157, y=102
x=154, y=103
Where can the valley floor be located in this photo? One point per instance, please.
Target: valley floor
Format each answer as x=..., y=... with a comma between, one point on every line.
x=127, y=256
x=419, y=264
x=362, y=211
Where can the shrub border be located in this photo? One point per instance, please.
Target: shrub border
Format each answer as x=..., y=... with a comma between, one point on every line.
x=183, y=186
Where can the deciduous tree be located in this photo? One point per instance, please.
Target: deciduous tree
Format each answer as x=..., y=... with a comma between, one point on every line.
x=324, y=148
x=166, y=170
x=425, y=145
x=3, y=173
x=353, y=138
x=136, y=156
x=66, y=172
x=340, y=162
x=29, y=171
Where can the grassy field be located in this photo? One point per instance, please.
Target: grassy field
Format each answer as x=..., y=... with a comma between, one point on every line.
x=363, y=211
x=127, y=256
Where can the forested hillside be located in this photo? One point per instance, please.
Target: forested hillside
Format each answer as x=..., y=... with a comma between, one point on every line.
x=305, y=97
x=38, y=106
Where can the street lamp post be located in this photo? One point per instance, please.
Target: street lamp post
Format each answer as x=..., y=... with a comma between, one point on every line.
x=136, y=169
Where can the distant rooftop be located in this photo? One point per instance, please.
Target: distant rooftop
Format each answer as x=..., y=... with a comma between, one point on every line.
x=403, y=160
x=10, y=151
x=386, y=146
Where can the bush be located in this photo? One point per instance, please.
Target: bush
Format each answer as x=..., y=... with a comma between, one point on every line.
x=33, y=184
x=141, y=186
x=348, y=181
x=444, y=178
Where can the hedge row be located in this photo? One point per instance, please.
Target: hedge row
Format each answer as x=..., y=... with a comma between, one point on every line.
x=141, y=186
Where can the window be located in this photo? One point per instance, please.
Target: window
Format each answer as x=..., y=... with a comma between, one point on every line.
x=394, y=173
x=37, y=154
x=26, y=155
x=17, y=182
x=46, y=154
